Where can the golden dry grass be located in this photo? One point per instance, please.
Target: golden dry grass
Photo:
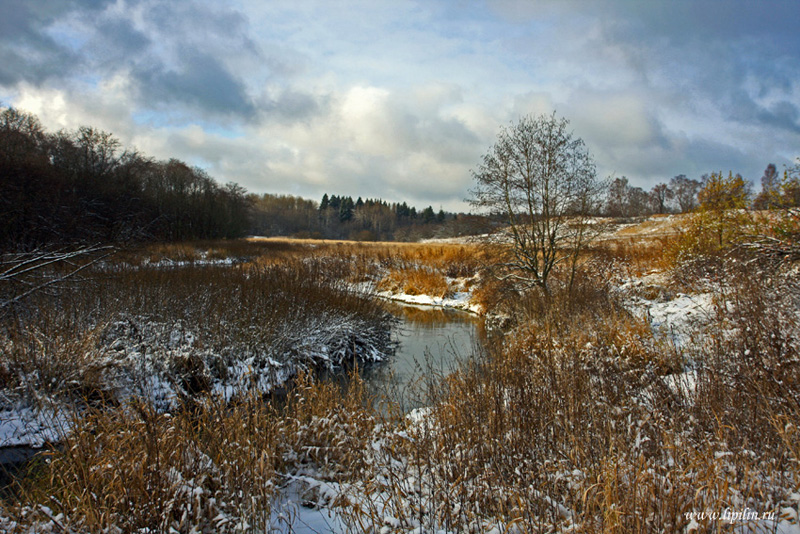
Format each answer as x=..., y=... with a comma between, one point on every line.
x=213, y=466
x=574, y=419
x=575, y=422
x=415, y=281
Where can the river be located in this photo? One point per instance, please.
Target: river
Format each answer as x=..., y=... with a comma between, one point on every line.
x=431, y=343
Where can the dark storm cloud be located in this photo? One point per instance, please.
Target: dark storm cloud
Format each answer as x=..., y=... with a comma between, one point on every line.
x=193, y=21
x=732, y=52
x=404, y=97
x=118, y=41
x=177, y=57
x=181, y=57
x=201, y=81
x=770, y=24
x=28, y=52
x=704, y=156
x=782, y=115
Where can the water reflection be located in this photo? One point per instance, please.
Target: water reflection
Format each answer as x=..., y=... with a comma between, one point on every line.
x=431, y=343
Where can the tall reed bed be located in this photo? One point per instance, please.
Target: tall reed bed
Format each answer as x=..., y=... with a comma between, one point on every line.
x=212, y=466
x=162, y=372
x=167, y=333
x=578, y=418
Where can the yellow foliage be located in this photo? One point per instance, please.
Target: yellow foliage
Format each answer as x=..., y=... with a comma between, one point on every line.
x=722, y=218
x=720, y=193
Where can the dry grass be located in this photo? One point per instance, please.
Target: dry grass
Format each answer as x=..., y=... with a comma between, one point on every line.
x=54, y=359
x=576, y=422
x=212, y=467
x=638, y=256
x=135, y=469
x=654, y=226
x=415, y=281
x=577, y=418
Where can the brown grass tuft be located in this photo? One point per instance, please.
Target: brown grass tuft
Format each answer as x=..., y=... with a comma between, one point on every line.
x=415, y=281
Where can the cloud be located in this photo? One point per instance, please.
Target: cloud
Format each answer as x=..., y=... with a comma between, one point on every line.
x=400, y=99
x=201, y=82
x=28, y=52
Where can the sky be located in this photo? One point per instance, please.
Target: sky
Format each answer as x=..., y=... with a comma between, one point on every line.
x=400, y=99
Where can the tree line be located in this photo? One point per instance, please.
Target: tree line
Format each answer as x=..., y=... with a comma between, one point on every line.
x=81, y=186
x=541, y=182
x=341, y=217
x=683, y=195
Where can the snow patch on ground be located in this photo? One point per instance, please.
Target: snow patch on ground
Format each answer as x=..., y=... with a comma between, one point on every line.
x=164, y=362
x=32, y=427
x=678, y=317
x=461, y=299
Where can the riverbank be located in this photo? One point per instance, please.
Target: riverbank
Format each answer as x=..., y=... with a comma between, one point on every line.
x=167, y=335
x=605, y=406
x=460, y=300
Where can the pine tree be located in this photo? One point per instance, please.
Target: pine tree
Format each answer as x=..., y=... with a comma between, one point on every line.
x=346, y=209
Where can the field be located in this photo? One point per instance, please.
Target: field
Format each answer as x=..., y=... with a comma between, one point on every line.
x=658, y=392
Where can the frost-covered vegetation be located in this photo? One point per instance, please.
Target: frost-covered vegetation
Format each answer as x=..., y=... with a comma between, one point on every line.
x=658, y=381
x=165, y=333
x=587, y=419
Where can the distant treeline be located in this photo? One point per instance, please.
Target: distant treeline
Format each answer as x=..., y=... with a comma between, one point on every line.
x=82, y=186
x=341, y=217
x=682, y=194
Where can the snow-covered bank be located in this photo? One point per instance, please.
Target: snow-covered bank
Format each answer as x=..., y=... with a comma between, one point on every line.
x=25, y=425
x=458, y=298
x=164, y=363
x=458, y=301
x=677, y=316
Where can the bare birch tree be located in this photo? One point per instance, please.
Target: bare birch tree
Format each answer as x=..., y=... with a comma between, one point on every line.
x=543, y=182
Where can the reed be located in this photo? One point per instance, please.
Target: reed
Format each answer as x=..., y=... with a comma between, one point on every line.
x=578, y=417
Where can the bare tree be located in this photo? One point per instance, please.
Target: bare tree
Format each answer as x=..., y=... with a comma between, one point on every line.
x=770, y=195
x=661, y=195
x=542, y=181
x=617, y=201
x=685, y=190
x=637, y=202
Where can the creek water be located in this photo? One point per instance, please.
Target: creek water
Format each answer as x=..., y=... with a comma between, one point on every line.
x=430, y=344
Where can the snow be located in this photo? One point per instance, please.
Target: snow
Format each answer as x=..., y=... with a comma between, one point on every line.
x=459, y=301
x=677, y=317
x=32, y=427
x=155, y=360
x=683, y=384
x=292, y=512
x=304, y=503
